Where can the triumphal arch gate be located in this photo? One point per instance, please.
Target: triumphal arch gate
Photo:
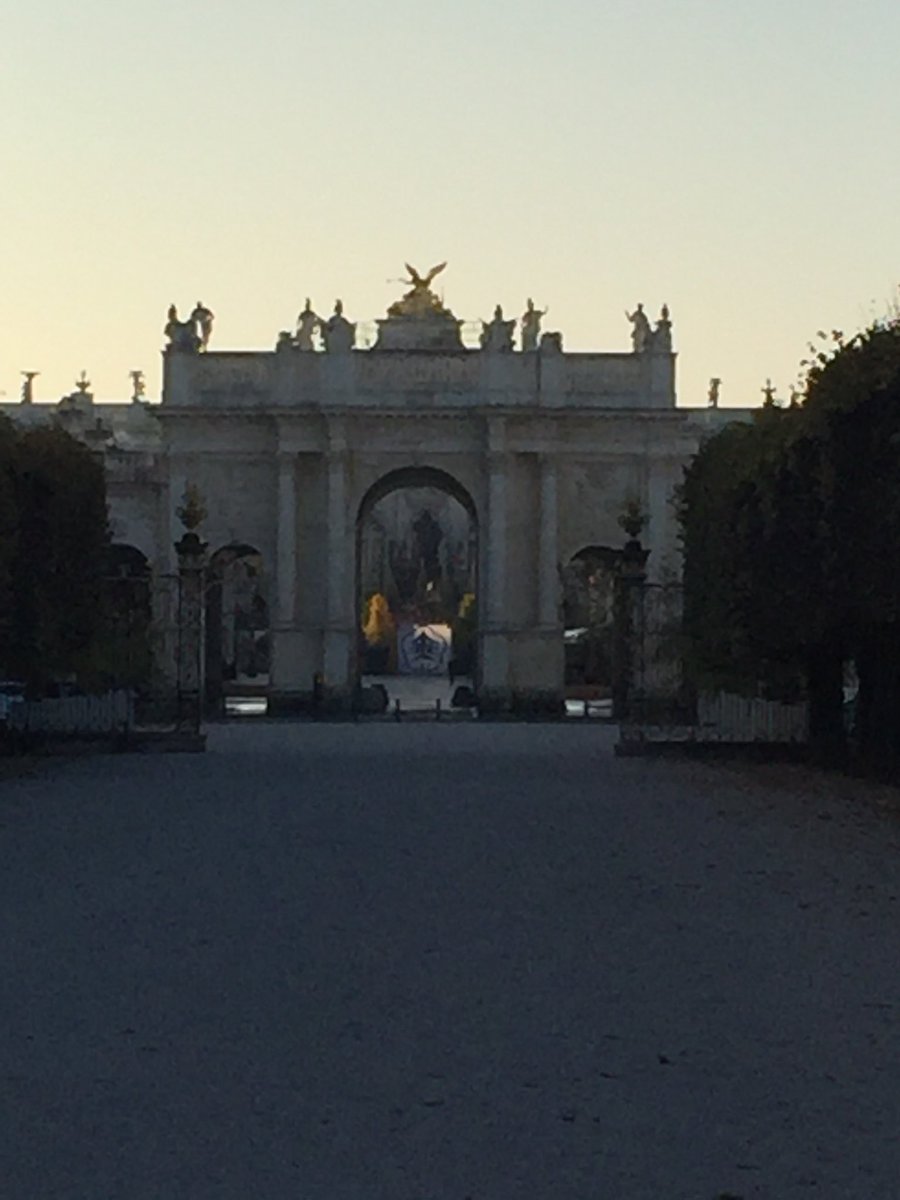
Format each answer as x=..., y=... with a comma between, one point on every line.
x=371, y=485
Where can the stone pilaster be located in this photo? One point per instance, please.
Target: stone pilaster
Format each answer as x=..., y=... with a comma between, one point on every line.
x=286, y=560
x=340, y=624
x=548, y=548
x=495, y=612
x=494, y=664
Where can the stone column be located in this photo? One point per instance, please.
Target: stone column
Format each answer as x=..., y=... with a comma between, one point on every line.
x=496, y=541
x=286, y=561
x=339, y=627
x=494, y=665
x=548, y=548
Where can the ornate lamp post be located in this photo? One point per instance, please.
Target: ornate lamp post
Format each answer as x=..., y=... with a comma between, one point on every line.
x=191, y=553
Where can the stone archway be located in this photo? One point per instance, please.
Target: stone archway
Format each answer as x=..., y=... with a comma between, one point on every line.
x=237, y=657
x=589, y=621
x=416, y=578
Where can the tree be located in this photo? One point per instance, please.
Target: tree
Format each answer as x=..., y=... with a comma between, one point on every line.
x=55, y=553
x=9, y=533
x=380, y=631
x=789, y=525
x=852, y=415
x=740, y=611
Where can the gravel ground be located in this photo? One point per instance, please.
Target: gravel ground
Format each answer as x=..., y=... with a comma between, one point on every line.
x=418, y=962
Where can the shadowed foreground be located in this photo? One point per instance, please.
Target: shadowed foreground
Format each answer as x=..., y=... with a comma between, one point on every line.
x=423, y=962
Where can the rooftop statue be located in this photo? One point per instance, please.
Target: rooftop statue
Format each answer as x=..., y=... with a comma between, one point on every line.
x=182, y=335
x=531, y=325
x=419, y=320
x=138, y=385
x=203, y=321
x=307, y=324
x=497, y=335
x=641, y=333
x=28, y=386
x=420, y=301
x=338, y=332
x=661, y=341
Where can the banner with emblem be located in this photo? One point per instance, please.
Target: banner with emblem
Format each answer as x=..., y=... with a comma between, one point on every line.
x=423, y=649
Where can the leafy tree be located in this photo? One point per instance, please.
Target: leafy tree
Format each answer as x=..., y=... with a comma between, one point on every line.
x=378, y=626
x=852, y=415
x=789, y=524
x=380, y=632
x=8, y=533
x=736, y=606
x=56, y=496
x=464, y=627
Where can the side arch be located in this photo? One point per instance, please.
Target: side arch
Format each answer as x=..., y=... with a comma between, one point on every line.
x=588, y=580
x=237, y=624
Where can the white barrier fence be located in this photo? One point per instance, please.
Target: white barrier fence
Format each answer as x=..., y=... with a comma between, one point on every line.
x=727, y=718
x=109, y=713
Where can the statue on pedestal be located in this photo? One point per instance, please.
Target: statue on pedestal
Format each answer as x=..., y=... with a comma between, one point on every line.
x=138, y=386
x=713, y=395
x=182, y=335
x=420, y=300
x=338, y=332
x=77, y=406
x=497, y=335
x=641, y=333
x=307, y=325
x=419, y=320
x=661, y=340
x=203, y=322
x=531, y=325
x=28, y=386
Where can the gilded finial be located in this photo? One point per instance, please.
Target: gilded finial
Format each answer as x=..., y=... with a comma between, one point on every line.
x=193, y=511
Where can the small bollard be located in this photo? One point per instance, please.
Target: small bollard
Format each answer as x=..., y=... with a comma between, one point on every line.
x=397, y=710
x=437, y=709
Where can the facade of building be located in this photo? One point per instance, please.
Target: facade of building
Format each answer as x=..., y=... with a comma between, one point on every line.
x=292, y=450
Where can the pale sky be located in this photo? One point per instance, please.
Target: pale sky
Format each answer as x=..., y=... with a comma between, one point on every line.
x=737, y=159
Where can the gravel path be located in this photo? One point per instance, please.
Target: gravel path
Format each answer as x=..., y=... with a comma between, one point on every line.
x=418, y=962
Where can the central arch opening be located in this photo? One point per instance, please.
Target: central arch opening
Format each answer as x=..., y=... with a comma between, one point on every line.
x=417, y=564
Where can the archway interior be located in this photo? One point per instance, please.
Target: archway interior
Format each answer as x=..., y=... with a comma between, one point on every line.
x=417, y=556
x=237, y=624
x=588, y=621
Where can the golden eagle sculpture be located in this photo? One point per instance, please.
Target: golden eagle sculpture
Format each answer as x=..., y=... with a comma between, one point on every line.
x=422, y=282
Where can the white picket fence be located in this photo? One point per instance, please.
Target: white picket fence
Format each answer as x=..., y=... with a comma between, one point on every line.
x=728, y=718
x=108, y=713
